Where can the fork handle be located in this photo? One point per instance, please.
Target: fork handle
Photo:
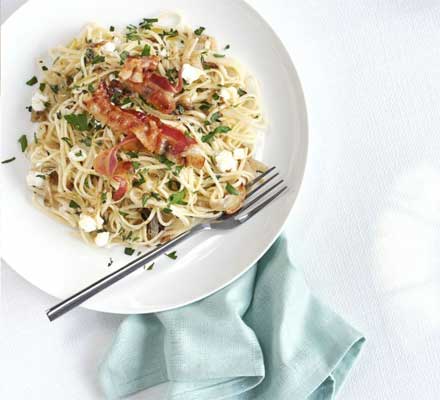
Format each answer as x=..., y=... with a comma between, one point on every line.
x=108, y=280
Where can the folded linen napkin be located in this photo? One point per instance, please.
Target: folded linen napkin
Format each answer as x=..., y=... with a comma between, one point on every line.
x=264, y=337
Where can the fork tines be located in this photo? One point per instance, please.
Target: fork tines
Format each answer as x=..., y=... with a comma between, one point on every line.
x=260, y=182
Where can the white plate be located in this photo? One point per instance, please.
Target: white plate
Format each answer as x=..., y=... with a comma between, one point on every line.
x=47, y=254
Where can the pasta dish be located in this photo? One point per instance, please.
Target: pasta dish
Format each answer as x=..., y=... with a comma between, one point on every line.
x=142, y=133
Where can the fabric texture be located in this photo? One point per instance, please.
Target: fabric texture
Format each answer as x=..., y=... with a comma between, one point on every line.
x=264, y=337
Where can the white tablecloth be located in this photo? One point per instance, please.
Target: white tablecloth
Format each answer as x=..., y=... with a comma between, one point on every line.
x=366, y=226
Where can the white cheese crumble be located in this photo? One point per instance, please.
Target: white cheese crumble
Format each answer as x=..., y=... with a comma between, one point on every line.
x=229, y=94
x=109, y=47
x=77, y=154
x=99, y=221
x=239, y=154
x=87, y=223
x=33, y=180
x=38, y=100
x=190, y=73
x=225, y=161
x=102, y=238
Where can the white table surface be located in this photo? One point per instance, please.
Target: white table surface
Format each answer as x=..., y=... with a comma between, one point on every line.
x=365, y=229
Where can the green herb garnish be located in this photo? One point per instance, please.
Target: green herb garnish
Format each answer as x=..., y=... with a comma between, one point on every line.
x=123, y=56
x=146, y=51
x=167, y=210
x=55, y=88
x=8, y=160
x=222, y=129
x=103, y=197
x=129, y=251
x=241, y=92
x=177, y=198
x=216, y=55
x=139, y=181
x=172, y=255
x=177, y=170
x=144, y=199
x=155, y=196
x=136, y=164
x=199, y=31
x=215, y=96
x=98, y=59
x=165, y=161
x=112, y=28
x=124, y=214
x=67, y=140
x=23, y=142
x=150, y=267
x=78, y=121
x=32, y=81
x=42, y=87
x=180, y=109
x=74, y=204
x=231, y=189
x=227, y=47
x=147, y=23
x=205, y=106
x=132, y=154
x=216, y=117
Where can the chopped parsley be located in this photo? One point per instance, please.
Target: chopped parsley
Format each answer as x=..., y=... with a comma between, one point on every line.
x=42, y=87
x=231, y=189
x=171, y=33
x=78, y=121
x=129, y=251
x=165, y=161
x=199, y=31
x=215, y=96
x=103, y=197
x=150, y=267
x=132, y=33
x=44, y=68
x=177, y=198
x=74, y=204
x=140, y=181
x=23, y=142
x=90, y=87
x=216, y=117
x=123, y=56
x=227, y=47
x=136, y=164
x=205, y=106
x=172, y=255
x=172, y=74
x=8, y=160
x=41, y=176
x=146, y=51
x=241, y=92
x=32, y=81
x=167, y=210
x=144, y=199
x=98, y=59
x=67, y=140
x=79, y=153
x=155, y=196
x=110, y=262
x=55, y=88
x=132, y=154
x=147, y=23
x=29, y=108
x=35, y=138
x=124, y=214
x=112, y=28
x=217, y=55
x=177, y=170
x=220, y=129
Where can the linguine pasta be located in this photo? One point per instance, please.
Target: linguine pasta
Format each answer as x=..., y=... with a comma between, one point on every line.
x=218, y=108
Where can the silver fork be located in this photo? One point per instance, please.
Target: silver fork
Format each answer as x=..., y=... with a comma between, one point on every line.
x=252, y=205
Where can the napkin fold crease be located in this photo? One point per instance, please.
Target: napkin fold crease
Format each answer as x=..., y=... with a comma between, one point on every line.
x=264, y=337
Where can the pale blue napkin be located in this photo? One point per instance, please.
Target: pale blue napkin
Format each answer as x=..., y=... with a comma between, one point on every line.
x=264, y=337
